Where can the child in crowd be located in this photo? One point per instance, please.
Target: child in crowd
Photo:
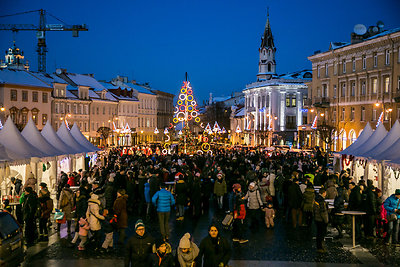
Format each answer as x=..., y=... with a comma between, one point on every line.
x=269, y=215
x=108, y=227
x=83, y=232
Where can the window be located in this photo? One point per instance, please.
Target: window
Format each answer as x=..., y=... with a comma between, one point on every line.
x=387, y=85
x=324, y=90
x=74, y=109
x=353, y=89
x=25, y=96
x=97, y=110
x=44, y=98
x=86, y=129
x=326, y=69
x=294, y=101
x=387, y=57
x=104, y=110
x=374, y=85
x=375, y=60
x=334, y=116
x=353, y=61
x=364, y=62
x=92, y=126
x=344, y=65
x=44, y=119
x=35, y=96
x=343, y=94
x=362, y=113
x=352, y=115
x=363, y=88
x=318, y=71
x=86, y=110
x=56, y=108
x=374, y=115
x=13, y=95
x=287, y=101
x=290, y=122
x=334, y=68
x=334, y=91
x=68, y=108
x=343, y=114
x=80, y=109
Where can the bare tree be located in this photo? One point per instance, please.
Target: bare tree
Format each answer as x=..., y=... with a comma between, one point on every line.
x=104, y=133
x=325, y=133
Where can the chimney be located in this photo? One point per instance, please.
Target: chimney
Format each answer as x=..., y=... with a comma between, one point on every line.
x=355, y=38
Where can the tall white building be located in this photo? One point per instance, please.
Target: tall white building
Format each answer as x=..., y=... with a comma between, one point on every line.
x=274, y=103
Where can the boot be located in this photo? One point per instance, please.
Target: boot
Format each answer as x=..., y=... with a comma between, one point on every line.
x=76, y=236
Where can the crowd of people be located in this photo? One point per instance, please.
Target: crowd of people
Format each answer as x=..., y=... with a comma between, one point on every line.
x=253, y=186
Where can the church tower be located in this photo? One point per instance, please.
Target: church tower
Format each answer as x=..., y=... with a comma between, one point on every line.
x=14, y=59
x=267, y=50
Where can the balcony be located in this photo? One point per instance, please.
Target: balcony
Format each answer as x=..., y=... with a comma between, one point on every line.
x=396, y=96
x=321, y=102
x=307, y=102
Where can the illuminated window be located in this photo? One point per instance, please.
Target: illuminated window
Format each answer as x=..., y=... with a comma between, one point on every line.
x=362, y=113
x=375, y=60
x=374, y=85
x=386, y=86
x=44, y=119
x=387, y=57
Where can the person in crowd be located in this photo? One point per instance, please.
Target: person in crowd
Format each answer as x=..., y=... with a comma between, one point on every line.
x=81, y=205
x=46, y=207
x=254, y=205
x=220, y=190
x=147, y=198
x=66, y=204
x=355, y=204
x=181, y=195
x=110, y=193
x=122, y=215
x=83, y=232
x=187, y=251
x=269, y=215
x=370, y=209
x=338, y=207
x=108, y=228
x=392, y=205
x=331, y=191
x=31, y=181
x=308, y=203
x=7, y=206
x=94, y=219
x=214, y=249
x=99, y=191
x=162, y=254
x=295, y=198
x=239, y=216
x=321, y=219
x=29, y=209
x=61, y=184
x=139, y=247
x=163, y=200
x=16, y=189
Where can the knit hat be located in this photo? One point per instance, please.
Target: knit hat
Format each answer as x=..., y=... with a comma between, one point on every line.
x=139, y=223
x=236, y=187
x=252, y=184
x=185, y=241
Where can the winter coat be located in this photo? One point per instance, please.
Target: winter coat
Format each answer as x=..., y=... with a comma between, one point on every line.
x=214, y=251
x=99, y=191
x=120, y=211
x=269, y=213
x=220, y=187
x=272, y=184
x=253, y=199
x=186, y=259
x=308, y=200
x=320, y=210
x=163, y=200
x=392, y=203
x=83, y=227
x=355, y=200
x=331, y=191
x=339, y=201
x=109, y=195
x=370, y=202
x=17, y=187
x=30, y=206
x=139, y=250
x=295, y=197
x=163, y=261
x=93, y=213
x=147, y=192
x=264, y=189
x=67, y=209
x=106, y=224
x=81, y=205
x=30, y=182
x=181, y=193
x=46, y=206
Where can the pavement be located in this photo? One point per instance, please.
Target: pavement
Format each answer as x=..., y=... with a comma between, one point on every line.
x=280, y=246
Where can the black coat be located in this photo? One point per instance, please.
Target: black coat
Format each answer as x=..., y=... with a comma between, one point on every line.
x=214, y=252
x=370, y=202
x=139, y=251
x=81, y=203
x=30, y=206
x=295, y=197
x=355, y=199
x=181, y=193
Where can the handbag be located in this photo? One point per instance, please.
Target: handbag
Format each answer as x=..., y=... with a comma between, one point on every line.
x=58, y=215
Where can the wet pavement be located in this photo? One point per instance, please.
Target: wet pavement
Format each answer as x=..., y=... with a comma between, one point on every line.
x=280, y=246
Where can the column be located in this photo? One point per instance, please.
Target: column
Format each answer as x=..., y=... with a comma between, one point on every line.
x=299, y=99
x=282, y=113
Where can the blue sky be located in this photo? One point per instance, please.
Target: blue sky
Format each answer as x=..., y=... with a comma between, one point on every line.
x=215, y=41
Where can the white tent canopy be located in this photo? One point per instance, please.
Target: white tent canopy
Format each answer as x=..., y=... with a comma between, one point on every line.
x=377, y=136
x=33, y=136
x=11, y=138
x=50, y=135
x=81, y=139
x=364, y=136
x=386, y=143
x=66, y=136
x=8, y=155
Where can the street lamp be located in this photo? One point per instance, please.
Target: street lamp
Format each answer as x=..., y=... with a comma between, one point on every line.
x=389, y=111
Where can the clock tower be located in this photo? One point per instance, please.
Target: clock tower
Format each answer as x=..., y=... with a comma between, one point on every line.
x=267, y=50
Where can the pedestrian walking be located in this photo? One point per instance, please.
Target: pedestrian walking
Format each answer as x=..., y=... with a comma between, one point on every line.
x=308, y=203
x=220, y=190
x=108, y=228
x=163, y=200
x=269, y=215
x=46, y=207
x=29, y=208
x=83, y=232
x=295, y=198
x=81, y=205
x=254, y=205
x=239, y=216
x=321, y=219
x=187, y=251
x=181, y=194
x=122, y=215
x=162, y=254
x=139, y=247
x=66, y=204
x=94, y=219
x=392, y=205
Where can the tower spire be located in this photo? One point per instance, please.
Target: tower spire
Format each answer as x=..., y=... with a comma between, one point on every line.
x=267, y=64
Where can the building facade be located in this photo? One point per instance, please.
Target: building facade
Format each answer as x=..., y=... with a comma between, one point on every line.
x=274, y=103
x=355, y=83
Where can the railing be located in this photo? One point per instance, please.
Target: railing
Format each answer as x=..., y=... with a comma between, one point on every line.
x=322, y=102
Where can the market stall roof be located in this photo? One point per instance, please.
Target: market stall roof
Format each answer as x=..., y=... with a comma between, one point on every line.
x=392, y=136
x=66, y=136
x=366, y=133
x=377, y=136
x=392, y=153
x=11, y=138
x=8, y=155
x=81, y=139
x=50, y=135
x=33, y=136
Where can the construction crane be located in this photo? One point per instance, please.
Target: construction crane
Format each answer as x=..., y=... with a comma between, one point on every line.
x=41, y=32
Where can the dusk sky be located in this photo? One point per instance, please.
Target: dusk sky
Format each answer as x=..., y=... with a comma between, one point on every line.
x=215, y=41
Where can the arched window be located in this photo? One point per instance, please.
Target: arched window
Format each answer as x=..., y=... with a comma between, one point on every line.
x=352, y=136
x=343, y=139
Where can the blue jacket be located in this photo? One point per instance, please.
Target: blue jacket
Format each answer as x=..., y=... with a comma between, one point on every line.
x=163, y=200
x=147, y=192
x=391, y=204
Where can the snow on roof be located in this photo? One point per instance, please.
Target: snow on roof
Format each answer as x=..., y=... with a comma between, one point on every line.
x=33, y=136
x=97, y=95
x=48, y=78
x=108, y=85
x=21, y=77
x=50, y=135
x=220, y=98
x=125, y=98
x=69, y=92
x=12, y=139
x=140, y=88
x=85, y=80
x=240, y=112
x=66, y=136
x=303, y=74
x=81, y=139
